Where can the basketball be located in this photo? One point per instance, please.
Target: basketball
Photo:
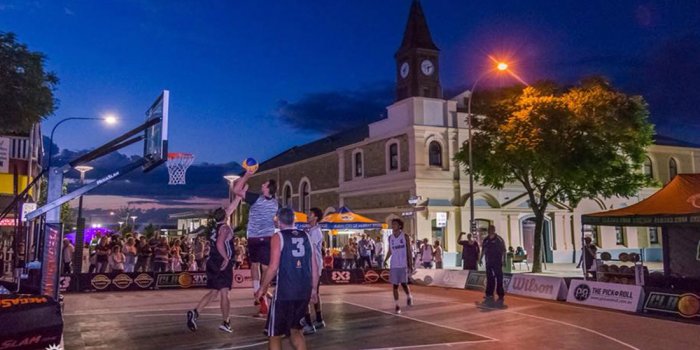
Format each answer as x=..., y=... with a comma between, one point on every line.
x=689, y=305
x=250, y=165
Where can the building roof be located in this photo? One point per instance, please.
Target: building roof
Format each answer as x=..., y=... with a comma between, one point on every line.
x=417, y=35
x=194, y=214
x=663, y=140
x=316, y=148
x=676, y=203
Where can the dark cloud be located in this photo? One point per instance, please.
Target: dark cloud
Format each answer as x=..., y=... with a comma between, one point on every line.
x=332, y=111
x=203, y=180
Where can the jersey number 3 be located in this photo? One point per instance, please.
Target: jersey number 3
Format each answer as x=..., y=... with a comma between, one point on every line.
x=299, y=250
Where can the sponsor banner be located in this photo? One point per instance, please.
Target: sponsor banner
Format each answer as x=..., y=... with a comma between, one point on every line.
x=67, y=284
x=440, y=278
x=242, y=279
x=29, y=322
x=536, y=286
x=355, y=276
x=181, y=280
x=424, y=277
x=623, y=297
x=103, y=282
x=477, y=280
x=376, y=276
x=686, y=305
x=451, y=278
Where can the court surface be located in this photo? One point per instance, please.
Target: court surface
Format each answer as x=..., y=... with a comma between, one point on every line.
x=361, y=317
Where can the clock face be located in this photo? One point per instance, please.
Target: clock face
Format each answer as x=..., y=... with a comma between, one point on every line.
x=404, y=70
x=427, y=67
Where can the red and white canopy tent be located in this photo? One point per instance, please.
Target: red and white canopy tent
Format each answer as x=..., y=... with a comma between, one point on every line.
x=676, y=209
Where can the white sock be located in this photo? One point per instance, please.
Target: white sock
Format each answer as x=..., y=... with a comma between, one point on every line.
x=256, y=285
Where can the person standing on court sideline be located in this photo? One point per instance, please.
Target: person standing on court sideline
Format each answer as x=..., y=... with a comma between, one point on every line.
x=295, y=267
x=494, y=249
x=470, y=251
x=316, y=236
x=401, y=262
x=261, y=227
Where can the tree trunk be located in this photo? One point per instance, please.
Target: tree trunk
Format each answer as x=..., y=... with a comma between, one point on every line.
x=539, y=231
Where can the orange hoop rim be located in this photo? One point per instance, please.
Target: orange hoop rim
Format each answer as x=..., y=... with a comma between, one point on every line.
x=175, y=155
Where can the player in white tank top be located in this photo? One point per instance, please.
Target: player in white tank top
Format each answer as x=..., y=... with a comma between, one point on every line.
x=398, y=250
x=401, y=265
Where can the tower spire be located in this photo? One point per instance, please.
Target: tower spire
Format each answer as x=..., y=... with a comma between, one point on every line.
x=417, y=35
x=417, y=66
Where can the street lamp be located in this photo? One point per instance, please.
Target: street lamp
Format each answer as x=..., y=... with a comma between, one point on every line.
x=500, y=66
x=133, y=219
x=109, y=119
x=413, y=202
x=80, y=229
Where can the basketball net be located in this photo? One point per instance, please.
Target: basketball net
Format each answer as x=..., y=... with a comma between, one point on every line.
x=177, y=167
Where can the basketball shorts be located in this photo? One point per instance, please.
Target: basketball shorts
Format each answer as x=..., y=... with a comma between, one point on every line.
x=398, y=275
x=217, y=278
x=259, y=250
x=286, y=315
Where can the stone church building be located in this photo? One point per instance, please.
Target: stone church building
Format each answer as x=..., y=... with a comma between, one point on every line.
x=375, y=169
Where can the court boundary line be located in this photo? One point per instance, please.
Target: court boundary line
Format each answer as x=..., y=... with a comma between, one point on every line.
x=116, y=312
x=203, y=314
x=570, y=325
x=546, y=302
x=422, y=321
x=434, y=344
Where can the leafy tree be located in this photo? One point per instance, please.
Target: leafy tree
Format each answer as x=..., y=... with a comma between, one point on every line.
x=561, y=145
x=149, y=230
x=26, y=89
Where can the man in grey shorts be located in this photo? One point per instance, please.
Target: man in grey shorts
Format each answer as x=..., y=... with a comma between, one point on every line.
x=401, y=262
x=261, y=227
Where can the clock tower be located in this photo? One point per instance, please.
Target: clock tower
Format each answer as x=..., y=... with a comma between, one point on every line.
x=417, y=66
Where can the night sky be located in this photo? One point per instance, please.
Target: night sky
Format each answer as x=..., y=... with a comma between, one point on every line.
x=253, y=78
x=258, y=77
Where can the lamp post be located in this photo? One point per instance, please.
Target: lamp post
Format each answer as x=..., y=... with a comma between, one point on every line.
x=133, y=220
x=501, y=66
x=413, y=202
x=80, y=229
x=110, y=119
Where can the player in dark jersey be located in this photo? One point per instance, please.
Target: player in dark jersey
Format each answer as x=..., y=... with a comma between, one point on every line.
x=292, y=261
x=219, y=268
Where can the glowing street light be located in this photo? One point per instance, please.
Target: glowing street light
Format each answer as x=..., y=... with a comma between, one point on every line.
x=110, y=119
x=500, y=66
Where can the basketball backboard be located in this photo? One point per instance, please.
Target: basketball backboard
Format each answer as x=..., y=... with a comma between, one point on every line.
x=155, y=146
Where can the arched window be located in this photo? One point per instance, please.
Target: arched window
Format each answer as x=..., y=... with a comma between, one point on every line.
x=394, y=156
x=304, y=197
x=648, y=168
x=357, y=164
x=672, y=169
x=287, y=197
x=435, y=154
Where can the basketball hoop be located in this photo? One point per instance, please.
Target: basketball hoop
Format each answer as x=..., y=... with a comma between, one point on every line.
x=177, y=167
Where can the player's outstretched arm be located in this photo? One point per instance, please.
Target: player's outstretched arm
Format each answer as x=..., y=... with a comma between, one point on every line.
x=234, y=203
x=239, y=186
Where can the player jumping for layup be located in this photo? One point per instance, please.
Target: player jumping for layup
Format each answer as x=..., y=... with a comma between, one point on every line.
x=261, y=227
